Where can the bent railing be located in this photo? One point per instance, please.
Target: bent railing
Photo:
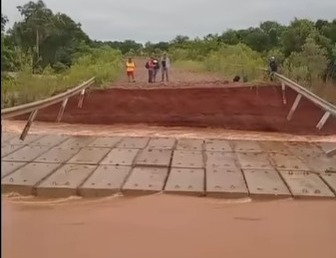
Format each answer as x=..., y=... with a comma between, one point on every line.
x=329, y=108
x=35, y=106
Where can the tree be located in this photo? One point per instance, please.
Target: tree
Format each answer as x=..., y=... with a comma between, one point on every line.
x=295, y=36
x=257, y=40
x=309, y=65
x=230, y=37
x=4, y=21
x=50, y=38
x=180, y=40
x=37, y=21
x=274, y=31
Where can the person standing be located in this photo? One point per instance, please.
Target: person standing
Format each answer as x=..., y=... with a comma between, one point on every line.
x=165, y=66
x=273, y=67
x=156, y=68
x=130, y=70
x=150, y=66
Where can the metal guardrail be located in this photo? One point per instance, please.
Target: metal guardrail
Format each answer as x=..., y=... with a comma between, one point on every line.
x=34, y=107
x=329, y=108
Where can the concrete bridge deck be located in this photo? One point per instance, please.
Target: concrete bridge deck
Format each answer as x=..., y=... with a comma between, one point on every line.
x=61, y=166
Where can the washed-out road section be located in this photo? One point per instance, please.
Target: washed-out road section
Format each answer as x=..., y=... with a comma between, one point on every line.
x=90, y=166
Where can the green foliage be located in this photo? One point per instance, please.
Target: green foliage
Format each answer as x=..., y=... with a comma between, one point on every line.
x=26, y=87
x=102, y=63
x=49, y=38
x=235, y=60
x=55, y=47
x=307, y=66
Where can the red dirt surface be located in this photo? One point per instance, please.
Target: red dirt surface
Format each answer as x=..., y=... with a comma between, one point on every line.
x=239, y=108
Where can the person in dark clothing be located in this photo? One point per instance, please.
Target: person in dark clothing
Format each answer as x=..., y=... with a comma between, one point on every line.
x=236, y=78
x=150, y=66
x=273, y=65
x=156, y=68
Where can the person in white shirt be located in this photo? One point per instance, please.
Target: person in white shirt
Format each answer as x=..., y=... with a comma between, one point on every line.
x=165, y=66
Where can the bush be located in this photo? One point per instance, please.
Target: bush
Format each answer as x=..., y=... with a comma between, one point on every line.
x=26, y=87
x=236, y=60
x=308, y=66
x=227, y=60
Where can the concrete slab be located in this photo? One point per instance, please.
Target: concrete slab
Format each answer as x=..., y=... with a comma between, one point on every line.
x=326, y=146
x=218, y=145
x=24, y=179
x=303, y=184
x=65, y=181
x=105, y=181
x=246, y=146
x=26, y=154
x=89, y=155
x=330, y=180
x=145, y=180
x=225, y=183
x=186, y=181
x=329, y=148
x=49, y=140
x=133, y=142
x=254, y=160
x=304, y=149
x=154, y=157
x=277, y=147
x=188, y=159
x=29, y=139
x=120, y=157
x=322, y=163
x=57, y=155
x=8, y=149
x=161, y=143
x=6, y=137
x=265, y=183
x=106, y=142
x=287, y=162
x=9, y=167
x=216, y=159
x=189, y=144
x=77, y=142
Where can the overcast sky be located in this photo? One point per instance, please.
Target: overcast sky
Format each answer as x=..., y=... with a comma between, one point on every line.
x=155, y=20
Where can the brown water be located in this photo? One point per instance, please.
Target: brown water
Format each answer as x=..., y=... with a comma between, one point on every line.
x=158, y=131
x=167, y=226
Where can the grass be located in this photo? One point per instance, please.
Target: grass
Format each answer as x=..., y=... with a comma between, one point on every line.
x=326, y=91
x=228, y=62
x=190, y=65
x=25, y=87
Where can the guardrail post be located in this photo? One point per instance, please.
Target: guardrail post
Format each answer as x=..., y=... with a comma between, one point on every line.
x=331, y=153
x=61, y=111
x=323, y=120
x=293, y=108
x=28, y=125
x=81, y=98
x=283, y=88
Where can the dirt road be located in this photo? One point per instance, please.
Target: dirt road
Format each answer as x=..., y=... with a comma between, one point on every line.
x=194, y=100
x=234, y=108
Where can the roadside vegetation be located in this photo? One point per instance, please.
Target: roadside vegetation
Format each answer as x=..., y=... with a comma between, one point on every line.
x=46, y=53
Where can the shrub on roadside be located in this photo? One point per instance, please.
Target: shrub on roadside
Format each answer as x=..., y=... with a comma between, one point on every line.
x=104, y=64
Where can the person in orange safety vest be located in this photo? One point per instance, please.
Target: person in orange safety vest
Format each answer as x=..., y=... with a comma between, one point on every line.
x=130, y=70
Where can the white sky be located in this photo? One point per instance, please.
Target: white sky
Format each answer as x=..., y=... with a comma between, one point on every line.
x=150, y=20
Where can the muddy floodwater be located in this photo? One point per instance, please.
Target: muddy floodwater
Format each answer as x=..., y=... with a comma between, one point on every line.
x=167, y=226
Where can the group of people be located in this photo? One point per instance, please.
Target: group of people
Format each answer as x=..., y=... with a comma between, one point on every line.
x=153, y=65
